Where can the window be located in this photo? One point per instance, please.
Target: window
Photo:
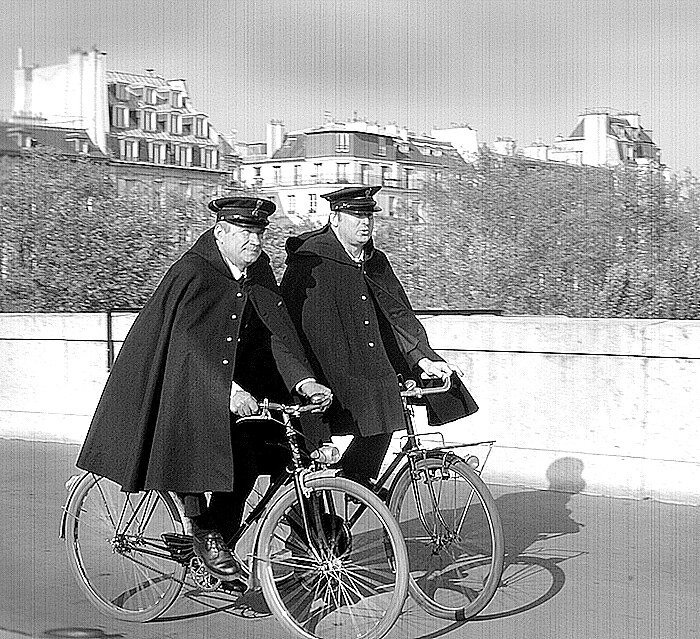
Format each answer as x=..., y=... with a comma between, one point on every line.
x=277, y=174
x=313, y=202
x=201, y=127
x=318, y=172
x=342, y=173
x=176, y=99
x=291, y=204
x=175, y=124
x=81, y=146
x=149, y=121
x=161, y=122
x=386, y=175
x=159, y=153
x=209, y=158
x=185, y=155
x=297, y=174
x=149, y=95
x=364, y=173
x=408, y=178
x=129, y=149
x=119, y=116
x=381, y=146
x=257, y=175
x=342, y=142
x=120, y=91
x=186, y=126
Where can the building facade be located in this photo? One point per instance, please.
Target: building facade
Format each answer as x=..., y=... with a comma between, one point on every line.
x=296, y=168
x=145, y=125
x=602, y=137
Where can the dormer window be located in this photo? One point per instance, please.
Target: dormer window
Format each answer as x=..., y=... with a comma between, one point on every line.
x=201, y=127
x=187, y=125
x=149, y=120
x=81, y=146
x=120, y=115
x=120, y=91
x=176, y=99
x=149, y=95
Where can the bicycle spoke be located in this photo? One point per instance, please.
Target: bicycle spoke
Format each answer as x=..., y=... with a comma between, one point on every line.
x=116, y=551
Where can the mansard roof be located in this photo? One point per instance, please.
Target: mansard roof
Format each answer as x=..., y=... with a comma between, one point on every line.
x=137, y=79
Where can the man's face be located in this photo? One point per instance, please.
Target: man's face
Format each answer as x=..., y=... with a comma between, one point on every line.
x=241, y=245
x=353, y=228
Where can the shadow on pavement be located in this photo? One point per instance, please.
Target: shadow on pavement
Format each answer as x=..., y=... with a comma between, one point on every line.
x=532, y=573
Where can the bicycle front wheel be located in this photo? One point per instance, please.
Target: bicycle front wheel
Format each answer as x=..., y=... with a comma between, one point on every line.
x=453, y=534
x=348, y=562
x=116, y=550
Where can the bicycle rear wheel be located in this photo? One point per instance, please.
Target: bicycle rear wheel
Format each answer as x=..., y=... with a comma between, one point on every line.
x=453, y=535
x=116, y=550
x=350, y=568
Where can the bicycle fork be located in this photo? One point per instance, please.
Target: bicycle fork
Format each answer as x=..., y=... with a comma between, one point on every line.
x=424, y=476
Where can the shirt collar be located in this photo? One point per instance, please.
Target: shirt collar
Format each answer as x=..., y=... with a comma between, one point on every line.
x=235, y=271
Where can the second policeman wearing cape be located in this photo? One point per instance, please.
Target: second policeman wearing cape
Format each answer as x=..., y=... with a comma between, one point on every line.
x=360, y=332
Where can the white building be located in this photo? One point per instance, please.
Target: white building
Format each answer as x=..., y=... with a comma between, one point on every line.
x=601, y=138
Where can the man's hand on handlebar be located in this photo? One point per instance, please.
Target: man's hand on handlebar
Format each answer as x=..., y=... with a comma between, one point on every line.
x=438, y=368
x=243, y=404
x=317, y=394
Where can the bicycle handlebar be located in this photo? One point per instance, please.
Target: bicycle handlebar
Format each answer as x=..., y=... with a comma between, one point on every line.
x=291, y=409
x=413, y=390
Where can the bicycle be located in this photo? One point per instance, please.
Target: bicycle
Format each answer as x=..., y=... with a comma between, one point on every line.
x=448, y=518
x=326, y=551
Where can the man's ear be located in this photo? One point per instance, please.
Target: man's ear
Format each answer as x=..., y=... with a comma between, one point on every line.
x=333, y=218
x=219, y=230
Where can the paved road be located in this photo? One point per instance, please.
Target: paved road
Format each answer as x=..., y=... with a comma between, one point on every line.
x=588, y=567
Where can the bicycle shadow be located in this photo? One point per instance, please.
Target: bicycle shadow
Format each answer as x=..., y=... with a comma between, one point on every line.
x=532, y=572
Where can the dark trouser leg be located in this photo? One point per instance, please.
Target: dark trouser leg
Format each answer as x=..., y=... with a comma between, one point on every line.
x=364, y=456
x=225, y=509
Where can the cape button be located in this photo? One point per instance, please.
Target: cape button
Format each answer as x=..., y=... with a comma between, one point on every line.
x=239, y=294
x=371, y=344
x=229, y=339
x=364, y=297
x=234, y=316
x=224, y=362
x=366, y=322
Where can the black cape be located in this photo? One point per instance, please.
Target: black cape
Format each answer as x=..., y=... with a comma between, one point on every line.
x=163, y=421
x=359, y=331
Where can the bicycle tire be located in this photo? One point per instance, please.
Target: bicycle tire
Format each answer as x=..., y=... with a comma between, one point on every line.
x=106, y=556
x=357, y=563
x=454, y=573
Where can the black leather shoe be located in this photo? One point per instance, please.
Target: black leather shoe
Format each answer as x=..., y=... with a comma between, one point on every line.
x=209, y=546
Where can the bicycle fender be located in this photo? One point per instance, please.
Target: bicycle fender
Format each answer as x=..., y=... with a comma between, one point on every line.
x=71, y=485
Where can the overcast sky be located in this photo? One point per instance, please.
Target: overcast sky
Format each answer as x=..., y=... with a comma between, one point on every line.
x=518, y=68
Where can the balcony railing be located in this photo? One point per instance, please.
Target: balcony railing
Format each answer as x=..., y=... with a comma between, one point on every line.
x=355, y=178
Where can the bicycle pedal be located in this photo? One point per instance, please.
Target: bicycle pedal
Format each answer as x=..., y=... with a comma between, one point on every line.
x=179, y=546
